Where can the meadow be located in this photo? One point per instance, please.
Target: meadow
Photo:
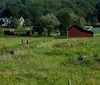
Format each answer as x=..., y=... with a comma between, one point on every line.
x=49, y=61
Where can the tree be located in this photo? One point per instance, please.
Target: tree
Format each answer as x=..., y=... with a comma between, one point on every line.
x=6, y=13
x=28, y=22
x=49, y=22
x=1, y=22
x=11, y=11
x=14, y=11
x=34, y=9
x=38, y=29
x=65, y=20
x=81, y=21
x=98, y=6
x=94, y=21
x=25, y=13
x=16, y=23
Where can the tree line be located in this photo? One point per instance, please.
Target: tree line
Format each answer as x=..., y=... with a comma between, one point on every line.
x=49, y=14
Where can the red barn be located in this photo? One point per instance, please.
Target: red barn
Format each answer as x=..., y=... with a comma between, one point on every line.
x=76, y=31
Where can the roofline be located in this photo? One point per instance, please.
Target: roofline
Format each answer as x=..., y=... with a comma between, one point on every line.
x=20, y=30
x=79, y=27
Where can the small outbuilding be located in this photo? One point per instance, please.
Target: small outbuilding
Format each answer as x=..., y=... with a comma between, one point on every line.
x=19, y=32
x=77, y=31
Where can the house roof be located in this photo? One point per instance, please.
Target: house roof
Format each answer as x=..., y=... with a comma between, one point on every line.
x=80, y=28
x=88, y=27
x=23, y=31
x=20, y=30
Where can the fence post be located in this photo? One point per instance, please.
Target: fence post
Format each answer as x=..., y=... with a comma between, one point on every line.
x=69, y=82
x=27, y=42
x=22, y=41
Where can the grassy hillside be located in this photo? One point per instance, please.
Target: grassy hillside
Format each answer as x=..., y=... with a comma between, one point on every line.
x=49, y=61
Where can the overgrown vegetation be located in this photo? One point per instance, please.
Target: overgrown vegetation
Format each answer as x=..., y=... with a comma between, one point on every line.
x=49, y=61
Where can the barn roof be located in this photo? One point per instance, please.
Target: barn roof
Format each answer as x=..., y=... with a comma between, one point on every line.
x=80, y=28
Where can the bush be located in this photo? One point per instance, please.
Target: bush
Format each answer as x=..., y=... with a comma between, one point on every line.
x=85, y=62
x=97, y=57
x=6, y=50
x=1, y=32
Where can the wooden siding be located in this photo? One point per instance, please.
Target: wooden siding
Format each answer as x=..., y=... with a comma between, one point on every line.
x=76, y=31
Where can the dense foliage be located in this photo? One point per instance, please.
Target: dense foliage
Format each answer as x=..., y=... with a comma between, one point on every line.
x=81, y=11
x=49, y=22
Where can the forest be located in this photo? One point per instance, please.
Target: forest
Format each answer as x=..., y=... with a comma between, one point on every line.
x=64, y=12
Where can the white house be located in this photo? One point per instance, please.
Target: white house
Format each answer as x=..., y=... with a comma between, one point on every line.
x=22, y=21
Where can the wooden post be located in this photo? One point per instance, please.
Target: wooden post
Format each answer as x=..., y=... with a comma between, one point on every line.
x=27, y=41
x=69, y=82
x=22, y=41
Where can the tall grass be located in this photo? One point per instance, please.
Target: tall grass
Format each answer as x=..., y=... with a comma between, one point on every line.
x=49, y=61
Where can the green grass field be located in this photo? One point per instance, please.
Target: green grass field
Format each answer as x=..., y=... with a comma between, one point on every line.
x=49, y=61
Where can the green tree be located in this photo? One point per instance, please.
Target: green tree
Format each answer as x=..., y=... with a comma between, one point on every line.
x=6, y=13
x=11, y=11
x=14, y=11
x=16, y=23
x=49, y=22
x=81, y=21
x=25, y=14
x=34, y=9
x=65, y=20
x=28, y=22
x=94, y=21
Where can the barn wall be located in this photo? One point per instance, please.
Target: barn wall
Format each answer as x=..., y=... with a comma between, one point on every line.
x=76, y=32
